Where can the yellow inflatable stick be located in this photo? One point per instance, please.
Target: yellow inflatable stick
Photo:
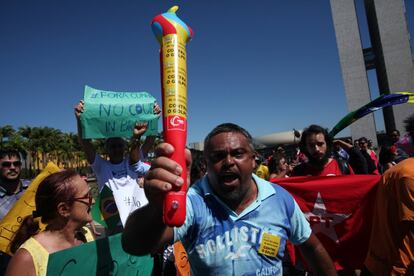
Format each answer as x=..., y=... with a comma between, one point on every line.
x=23, y=207
x=173, y=34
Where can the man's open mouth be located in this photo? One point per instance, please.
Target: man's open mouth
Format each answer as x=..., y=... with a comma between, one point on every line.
x=229, y=177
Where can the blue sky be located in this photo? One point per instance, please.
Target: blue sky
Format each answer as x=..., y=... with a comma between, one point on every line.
x=269, y=66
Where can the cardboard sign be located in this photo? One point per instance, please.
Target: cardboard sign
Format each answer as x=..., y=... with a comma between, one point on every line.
x=114, y=114
x=101, y=257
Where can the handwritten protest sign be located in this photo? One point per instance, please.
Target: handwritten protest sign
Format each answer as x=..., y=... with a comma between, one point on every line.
x=128, y=199
x=22, y=208
x=114, y=114
x=102, y=257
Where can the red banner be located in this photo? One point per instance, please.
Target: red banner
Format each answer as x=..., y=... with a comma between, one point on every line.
x=340, y=210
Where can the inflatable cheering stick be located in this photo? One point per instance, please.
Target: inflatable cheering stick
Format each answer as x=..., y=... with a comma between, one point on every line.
x=173, y=34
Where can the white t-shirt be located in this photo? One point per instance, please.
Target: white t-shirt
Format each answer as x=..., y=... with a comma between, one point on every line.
x=122, y=180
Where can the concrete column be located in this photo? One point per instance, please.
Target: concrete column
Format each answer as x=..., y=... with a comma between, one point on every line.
x=353, y=66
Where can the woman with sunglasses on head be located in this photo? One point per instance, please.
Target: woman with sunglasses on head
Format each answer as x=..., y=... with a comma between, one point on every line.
x=63, y=202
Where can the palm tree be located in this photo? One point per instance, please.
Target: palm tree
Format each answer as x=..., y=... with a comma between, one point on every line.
x=5, y=131
x=67, y=151
x=17, y=142
x=50, y=139
x=25, y=133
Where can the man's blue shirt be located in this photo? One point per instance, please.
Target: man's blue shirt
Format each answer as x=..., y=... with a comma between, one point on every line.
x=219, y=241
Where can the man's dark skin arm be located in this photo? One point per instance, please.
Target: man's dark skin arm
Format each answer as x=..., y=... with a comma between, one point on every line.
x=86, y=144
x=135, y=150
x=138, y=131
x=145, y=231
x=317, y=257
x=149, y=140
x=356, y=159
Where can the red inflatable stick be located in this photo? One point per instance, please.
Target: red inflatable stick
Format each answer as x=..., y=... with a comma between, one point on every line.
x=173, y=34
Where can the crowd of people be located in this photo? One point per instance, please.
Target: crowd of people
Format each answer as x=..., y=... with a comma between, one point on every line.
x=319, y=155
x=237, y=221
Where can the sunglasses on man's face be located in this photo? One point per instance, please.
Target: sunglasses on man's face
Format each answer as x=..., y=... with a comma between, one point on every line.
x=88, y=196
x=8, y=164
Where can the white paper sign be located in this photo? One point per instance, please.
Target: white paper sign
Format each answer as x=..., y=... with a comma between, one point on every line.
x=128, y=198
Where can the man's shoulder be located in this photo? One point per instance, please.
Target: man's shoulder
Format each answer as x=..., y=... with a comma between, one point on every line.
x=277, y=201
x=269, y=189
x=199, y=188
x=407, y=162
x=401, y=175
x=405, y=168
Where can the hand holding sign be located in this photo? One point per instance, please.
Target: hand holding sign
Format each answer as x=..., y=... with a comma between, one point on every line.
x=139, y=130
x=79, y=109
x=141, y=127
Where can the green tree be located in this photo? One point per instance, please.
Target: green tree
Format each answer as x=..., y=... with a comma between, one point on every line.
x=67, y=151
x=5, y=131
x=25, y=133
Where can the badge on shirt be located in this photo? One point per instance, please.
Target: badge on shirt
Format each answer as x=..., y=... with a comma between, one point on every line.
x=269, y=245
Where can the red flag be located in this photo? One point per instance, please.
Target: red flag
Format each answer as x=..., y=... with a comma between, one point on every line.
x=340, y=210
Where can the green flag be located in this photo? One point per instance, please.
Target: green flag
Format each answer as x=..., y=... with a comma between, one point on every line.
x=104, y=211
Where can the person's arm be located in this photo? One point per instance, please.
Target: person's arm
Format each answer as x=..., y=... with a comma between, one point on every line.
x=317, y=257
x=21, y=264
x=135, y=150
x=356, y=160
x=149, y=140
x=144, y=230
x=346, y=146
x=86, y=144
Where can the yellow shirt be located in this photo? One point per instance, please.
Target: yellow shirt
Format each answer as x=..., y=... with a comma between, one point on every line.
x=40, y=255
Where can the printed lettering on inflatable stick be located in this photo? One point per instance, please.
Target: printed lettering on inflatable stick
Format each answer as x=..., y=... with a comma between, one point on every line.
x=173, y=34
